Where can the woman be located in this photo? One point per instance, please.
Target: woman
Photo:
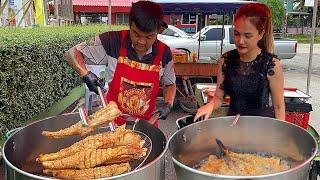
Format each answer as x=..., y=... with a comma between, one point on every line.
x=249, y=73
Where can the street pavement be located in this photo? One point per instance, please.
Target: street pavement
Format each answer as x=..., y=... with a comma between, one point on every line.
x=295, y=73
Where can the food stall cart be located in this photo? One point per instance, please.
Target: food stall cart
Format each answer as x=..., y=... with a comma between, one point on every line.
x=187, y=75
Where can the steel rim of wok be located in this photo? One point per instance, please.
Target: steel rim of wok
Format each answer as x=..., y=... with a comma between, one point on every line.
x=137, y=169
x=196, y=171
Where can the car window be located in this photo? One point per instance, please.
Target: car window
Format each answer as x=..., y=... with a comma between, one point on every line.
x=214, y=34
x=168, y=32
x=231, y=36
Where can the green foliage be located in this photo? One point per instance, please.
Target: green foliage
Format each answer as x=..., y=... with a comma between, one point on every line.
x=278, y=12
x=33, y=71
x=305, y=39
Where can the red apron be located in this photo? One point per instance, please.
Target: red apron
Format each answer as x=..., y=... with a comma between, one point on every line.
x=135, y=85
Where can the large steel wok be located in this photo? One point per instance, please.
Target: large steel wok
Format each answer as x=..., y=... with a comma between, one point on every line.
x=22, y=148
x=195, y=142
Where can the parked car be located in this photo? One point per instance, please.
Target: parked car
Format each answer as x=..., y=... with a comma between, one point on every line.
x=172, y=32
x=217, y=39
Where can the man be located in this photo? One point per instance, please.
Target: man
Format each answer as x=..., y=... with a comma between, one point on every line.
x=135, y=61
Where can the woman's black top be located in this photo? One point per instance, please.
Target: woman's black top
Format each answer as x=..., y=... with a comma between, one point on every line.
x=247, y=84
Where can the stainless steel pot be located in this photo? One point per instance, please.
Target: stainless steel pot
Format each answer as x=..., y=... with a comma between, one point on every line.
x=195, y=142
x=22, y=148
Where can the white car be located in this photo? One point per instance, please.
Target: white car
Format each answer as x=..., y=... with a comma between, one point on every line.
x=217, y=39
x=172, y=32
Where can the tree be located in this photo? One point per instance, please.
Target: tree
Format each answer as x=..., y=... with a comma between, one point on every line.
x=277, y=10
x=299, y=7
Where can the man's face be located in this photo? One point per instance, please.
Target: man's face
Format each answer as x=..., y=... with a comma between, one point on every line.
x=246, y=36
x=142, y=41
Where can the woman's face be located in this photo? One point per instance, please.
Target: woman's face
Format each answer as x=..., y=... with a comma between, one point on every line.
x=246, y=36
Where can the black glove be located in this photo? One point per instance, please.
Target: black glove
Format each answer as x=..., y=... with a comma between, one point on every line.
x=163, y=110
x=92, y=82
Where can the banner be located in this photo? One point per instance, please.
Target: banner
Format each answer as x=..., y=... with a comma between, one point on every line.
x=39, y=11
x=309, y=3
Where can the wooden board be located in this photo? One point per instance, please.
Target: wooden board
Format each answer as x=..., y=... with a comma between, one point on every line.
x=196, y=69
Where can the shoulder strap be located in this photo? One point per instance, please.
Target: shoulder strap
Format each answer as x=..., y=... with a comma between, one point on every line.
x=123, y=49
x=161, y=48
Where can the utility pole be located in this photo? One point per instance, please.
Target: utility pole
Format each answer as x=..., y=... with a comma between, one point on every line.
x=314, y=22
x=285, y=20
x=56, y=11
x=45, y=7
x=109, y=15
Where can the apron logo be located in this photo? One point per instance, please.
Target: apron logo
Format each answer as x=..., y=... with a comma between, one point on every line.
x=134, y=99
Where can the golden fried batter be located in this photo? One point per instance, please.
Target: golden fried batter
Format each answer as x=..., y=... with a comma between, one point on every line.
x=99, y=118
x=243, y=164
x=119, y=137
x=95, y=157
x=91, y=173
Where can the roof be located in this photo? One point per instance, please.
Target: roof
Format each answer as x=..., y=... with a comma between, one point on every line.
x=201, y=1
x=200, y=6
x=119, y=3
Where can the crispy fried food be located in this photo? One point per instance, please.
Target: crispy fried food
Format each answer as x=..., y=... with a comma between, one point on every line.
x=120, y=137
x=243, y=164
x=91, y=173
x=99, y=118
x=96, y=157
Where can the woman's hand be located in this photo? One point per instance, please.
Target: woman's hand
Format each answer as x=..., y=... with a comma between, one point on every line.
x=210, y=92
x=205, y=111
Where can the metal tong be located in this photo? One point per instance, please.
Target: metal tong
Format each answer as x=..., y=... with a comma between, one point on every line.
x=84, y=113
x=104, y=103
x=84, y=118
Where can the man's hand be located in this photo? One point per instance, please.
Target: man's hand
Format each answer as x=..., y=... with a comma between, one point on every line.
x=163, y=110
x=92, y=82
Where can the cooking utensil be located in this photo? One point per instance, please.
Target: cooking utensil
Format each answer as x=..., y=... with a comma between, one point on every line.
x=104, y=103
x=22, y=148
x=84, y=119
x=147, y=144
x=251, y=134
x=223, y=151
x=235, y=120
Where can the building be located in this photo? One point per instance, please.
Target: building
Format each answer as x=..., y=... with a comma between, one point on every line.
x=192, y=15
x=88, y=11
x=187, y=22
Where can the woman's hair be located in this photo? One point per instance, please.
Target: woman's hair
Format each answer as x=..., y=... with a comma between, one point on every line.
x=146, y=15
x=260, y=16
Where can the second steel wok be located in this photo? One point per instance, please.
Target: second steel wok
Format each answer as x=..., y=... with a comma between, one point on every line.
x=196, y=142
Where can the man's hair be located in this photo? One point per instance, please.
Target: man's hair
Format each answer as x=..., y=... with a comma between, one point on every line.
x=146, y=15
